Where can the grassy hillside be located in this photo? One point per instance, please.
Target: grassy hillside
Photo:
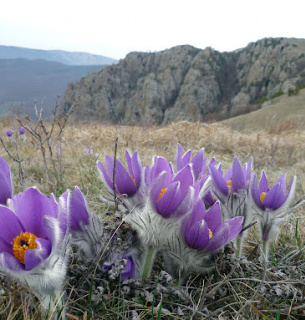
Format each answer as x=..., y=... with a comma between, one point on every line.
x=283, y=113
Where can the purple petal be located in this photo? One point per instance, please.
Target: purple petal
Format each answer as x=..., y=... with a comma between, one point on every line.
x=160, y=165
x=213, y=162
x=169, y=201
x=275, y=197
x=228, y=175
x=247, y=170
x=62, y=211
x=290, y=192
x=5, y=182
x=235, y=226
x=124, y=182
x=219, y=238
x=255, y=193
x=197, y=234
x=186, y=205
x=238, y=176
x=136, y=169
x=78, y=210
x=30, y=207
x=104, y=175
x=199, y=165
x=9, y=264
x=156, y=187
x=208, y=199
x=129, y=270
x=198, y=212
x=263, y=184
x=218, y=181
x=33, y=257
x=186, y=179
x=213, y=217
x=282, y=181
x=10, y=227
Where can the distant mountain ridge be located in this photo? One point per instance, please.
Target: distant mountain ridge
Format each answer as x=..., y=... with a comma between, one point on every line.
x=65, y=57
x=187, y=83
x=23, y=80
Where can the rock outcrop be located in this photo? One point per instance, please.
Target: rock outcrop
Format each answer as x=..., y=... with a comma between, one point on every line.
x=186, y=83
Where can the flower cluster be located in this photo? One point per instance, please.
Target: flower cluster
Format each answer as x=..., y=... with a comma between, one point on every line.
x=167, y=210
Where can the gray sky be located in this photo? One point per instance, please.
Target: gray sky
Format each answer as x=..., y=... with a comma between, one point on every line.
x=114, y=28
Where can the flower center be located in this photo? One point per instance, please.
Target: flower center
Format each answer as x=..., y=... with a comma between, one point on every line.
x=262, y=196
x=210, y=234
x=133, y=180
x=229, y=183
x=161, y=193
x=22, y=243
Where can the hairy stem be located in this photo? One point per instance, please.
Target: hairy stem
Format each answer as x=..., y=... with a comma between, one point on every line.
x=149, y=259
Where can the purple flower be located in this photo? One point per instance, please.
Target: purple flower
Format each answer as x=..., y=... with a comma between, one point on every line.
x=6, y=189
x=198, y=162
x=274, y=198
x=22, y=130
x=9, y=132
x=33, y=242
x=124, y=266
x=205, y=230
x=86, y=228
x=127, y=181
x=167, y=191
x=272, y=206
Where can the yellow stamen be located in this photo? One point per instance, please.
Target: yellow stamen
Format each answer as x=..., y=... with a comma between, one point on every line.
x=229, y=183
x=262, y=196
x=162, y=193
x=133, y=180
x=210, y=234
x=22, y=243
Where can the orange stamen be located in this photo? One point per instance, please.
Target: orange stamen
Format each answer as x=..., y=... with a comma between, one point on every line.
x=22, y=243
x=229, y=183
x=210, y=234
x=161, y=193
x=133, y=180
x=263, y=196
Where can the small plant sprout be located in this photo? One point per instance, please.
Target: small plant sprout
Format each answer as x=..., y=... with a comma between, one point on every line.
x=233, y=192
x=33, y=243
x=271, y=206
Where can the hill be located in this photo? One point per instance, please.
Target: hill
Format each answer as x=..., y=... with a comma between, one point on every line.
x=22, y=81
x=187, y=83
x=65, y=57
x=281, y=114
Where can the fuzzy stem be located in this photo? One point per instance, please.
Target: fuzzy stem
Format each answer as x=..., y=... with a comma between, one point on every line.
x=238, y=247
x=265, y=251
x=149, y=259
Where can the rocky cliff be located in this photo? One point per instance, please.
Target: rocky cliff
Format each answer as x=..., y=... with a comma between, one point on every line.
x=186, y=83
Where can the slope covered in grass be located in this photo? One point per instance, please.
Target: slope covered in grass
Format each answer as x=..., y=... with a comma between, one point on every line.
x=282, y=113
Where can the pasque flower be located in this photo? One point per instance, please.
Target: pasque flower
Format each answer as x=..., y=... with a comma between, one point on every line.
x=22, y=130
x=271, y=205
x=6, y=188
x=233, y=192
x=203, y=233
x=123, y=265
x=127, y=181
x=9, y=132
x=86, y=227
x=33, y=242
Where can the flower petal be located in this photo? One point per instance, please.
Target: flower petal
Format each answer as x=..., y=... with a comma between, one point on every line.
x=33, y=257
x=235, y=226
x=199, y=163
x=10, y=227
x=30, y=207
x=219, y=238
x=238, y=176
x=136, y=169
x=169, y=201
x=5, y=182
x=282, y=181
x=104, y=175
x=124, y=182
x=10, y=265
x=78, y=212
x=255, y=193
x=275, y=197
x=218, y=181
x=186, y=179
x=213, y=217
x=197, y=234
x=263, y=184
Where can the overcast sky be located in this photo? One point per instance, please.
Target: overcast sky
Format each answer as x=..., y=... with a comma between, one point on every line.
x=114, y=28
